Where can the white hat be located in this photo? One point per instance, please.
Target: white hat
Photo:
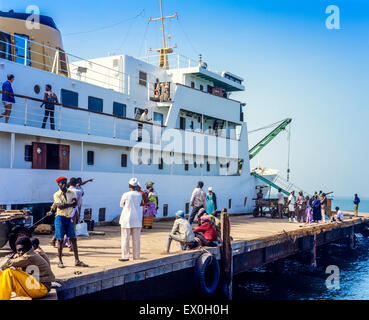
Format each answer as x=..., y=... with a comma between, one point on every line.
x=133, y=182
x=210, y=189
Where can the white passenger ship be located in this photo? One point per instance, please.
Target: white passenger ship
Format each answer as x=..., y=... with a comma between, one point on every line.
x=197, y=131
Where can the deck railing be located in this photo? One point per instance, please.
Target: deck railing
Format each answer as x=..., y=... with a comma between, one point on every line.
x=26, y=111
x=55, y=60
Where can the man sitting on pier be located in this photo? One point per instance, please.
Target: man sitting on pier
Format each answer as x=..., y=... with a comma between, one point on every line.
x=15, y=273
x=64, y=202
x=339, y=216
x=181, y=232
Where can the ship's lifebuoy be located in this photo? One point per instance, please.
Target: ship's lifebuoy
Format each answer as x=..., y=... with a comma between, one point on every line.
x=207, y=272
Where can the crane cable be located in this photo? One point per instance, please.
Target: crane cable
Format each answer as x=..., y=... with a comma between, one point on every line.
x=289, y=151
x=266, y=127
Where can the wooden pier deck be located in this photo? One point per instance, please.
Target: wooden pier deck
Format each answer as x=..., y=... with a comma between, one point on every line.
x=256, y=241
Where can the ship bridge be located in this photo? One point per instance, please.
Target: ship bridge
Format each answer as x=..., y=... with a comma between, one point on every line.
x=226, y=80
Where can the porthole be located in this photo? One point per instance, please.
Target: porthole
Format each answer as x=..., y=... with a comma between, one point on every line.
x=37, y=89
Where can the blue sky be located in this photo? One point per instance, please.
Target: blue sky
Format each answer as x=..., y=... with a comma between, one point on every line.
x=292, y=64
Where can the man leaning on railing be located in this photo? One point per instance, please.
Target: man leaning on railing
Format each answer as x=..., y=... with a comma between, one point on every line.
x=8, y=98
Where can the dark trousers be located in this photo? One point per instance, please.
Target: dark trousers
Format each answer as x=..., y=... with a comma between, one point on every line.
x=193, y=214
x=204, y=242
x=48, y=113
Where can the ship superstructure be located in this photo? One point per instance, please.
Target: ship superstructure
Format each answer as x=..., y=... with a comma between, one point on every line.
x=195, y=130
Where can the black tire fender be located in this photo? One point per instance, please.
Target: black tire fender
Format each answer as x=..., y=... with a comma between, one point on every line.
x=207, y=272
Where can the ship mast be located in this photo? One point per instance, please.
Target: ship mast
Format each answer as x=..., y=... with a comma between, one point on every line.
x=165, y=50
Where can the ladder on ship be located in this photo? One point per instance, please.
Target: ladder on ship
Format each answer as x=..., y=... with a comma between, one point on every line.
x=279, y=183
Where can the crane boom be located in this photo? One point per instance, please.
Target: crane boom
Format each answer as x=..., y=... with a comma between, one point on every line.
x=262, y=143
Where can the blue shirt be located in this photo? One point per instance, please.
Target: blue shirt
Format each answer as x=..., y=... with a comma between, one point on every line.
x=356, y=200
x=7, y=86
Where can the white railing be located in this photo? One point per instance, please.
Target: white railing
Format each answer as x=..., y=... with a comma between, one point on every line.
x=26, y=111
x=175, y=61
x=58, y=61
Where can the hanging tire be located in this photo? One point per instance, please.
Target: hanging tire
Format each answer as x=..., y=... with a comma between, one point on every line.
x=207, y=272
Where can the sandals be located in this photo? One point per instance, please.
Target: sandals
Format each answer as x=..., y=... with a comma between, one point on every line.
x=81, y=264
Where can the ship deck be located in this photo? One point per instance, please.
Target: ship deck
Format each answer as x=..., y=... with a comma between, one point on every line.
x=101, y=252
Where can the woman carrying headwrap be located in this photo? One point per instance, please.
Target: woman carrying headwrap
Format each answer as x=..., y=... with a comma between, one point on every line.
x=206, y=233
x=150, y=207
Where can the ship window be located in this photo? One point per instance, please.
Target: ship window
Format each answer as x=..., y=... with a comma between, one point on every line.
x=182, y=123
x=158, y=118
x=95, y=104
x=5, y=46
x=123, y=160
x=90, y=158
x=69, y=98
x=63, y=61
x=192, y=84
x=161, y=164
x=142, y=78
x=186, y=165
x=28, y=153
x=22, y=50
x=119, y=109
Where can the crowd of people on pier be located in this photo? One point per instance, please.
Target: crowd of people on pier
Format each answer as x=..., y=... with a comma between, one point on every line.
x=305, y=209
x=139, y=208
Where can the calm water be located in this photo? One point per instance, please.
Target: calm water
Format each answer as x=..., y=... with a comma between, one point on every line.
x=294, y=279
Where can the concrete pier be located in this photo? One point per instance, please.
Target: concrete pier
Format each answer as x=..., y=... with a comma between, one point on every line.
x=256, y=241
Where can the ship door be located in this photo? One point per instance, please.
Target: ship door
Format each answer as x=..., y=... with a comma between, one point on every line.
x=39, y=155
x=63, y=157
x=50, y=156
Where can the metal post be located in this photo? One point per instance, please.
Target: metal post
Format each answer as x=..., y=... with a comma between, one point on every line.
x=12, y=148
x=352, y=239
x=89, y=123
x=25, y=111
x=129, y=85
x=60, y=118
x=25, y=51
x=226, y=255
x=57, y=62
x=82, y=156
x=313, y=253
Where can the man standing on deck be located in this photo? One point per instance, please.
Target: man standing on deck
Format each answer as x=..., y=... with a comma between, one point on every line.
x=64, y=202
x=291, y=207
x=8, y=98
x=356, y=205
x=198, y=201
x=131, y=220
x=280, y=203
x=301, y=207
x=323, y=206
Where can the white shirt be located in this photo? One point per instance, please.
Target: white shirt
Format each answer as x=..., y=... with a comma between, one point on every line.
x=131, y=216
x=291, y=206
x=78, y=193
x=280, y=198
x=82, y=194
x=198, y=198
x=340, y=215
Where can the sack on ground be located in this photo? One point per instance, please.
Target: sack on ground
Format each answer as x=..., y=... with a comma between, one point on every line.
x=81, y=229
x=43, y=229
